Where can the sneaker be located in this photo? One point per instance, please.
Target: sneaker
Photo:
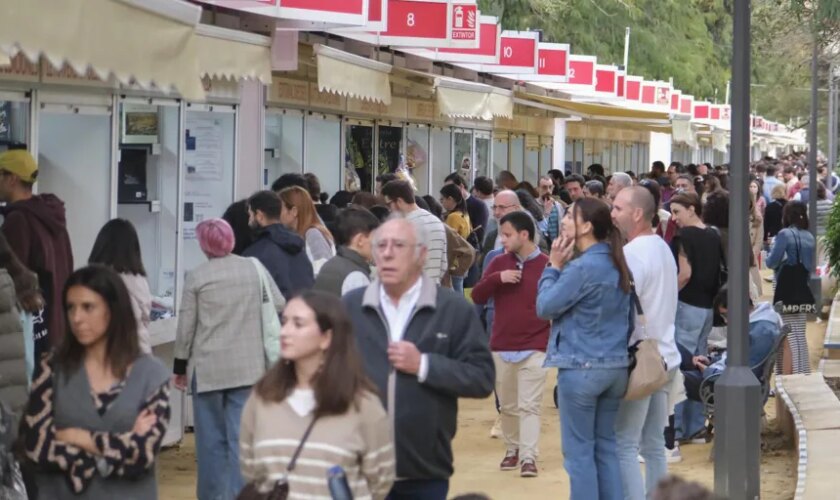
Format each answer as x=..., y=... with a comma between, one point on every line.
x=529, y=469
x=511, y=461
x=673, y=456
x=496, y=430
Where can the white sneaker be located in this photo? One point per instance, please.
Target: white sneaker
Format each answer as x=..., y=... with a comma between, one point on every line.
x=496, y=431
x=673, y=456
x=641, y=459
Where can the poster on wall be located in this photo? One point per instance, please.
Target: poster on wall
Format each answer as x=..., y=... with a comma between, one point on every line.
x=203, y=157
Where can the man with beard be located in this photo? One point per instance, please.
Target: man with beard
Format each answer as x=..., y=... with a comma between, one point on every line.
x=279, y=249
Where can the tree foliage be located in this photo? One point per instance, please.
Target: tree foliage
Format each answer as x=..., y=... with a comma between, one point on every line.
x=691, y=41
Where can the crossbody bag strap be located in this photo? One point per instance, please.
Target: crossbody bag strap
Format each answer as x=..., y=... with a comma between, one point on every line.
x=798, y=247
x=635, y=307
x=306, y=434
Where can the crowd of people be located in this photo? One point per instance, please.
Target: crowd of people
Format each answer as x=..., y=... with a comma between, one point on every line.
x=341, y=332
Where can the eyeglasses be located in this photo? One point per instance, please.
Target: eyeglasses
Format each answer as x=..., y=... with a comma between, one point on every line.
x=399, y=246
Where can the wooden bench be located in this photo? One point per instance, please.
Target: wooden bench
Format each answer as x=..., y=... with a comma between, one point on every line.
x=814, y=414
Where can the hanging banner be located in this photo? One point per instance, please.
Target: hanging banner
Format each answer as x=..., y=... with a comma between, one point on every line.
x=487, y=52
x=606, y=79
x=303, y=14
x=633, y=88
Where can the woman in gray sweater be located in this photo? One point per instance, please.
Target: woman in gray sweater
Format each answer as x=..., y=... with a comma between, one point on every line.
x=99, y=407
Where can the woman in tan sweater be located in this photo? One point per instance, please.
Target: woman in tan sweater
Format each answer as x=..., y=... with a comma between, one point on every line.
x=319, y=382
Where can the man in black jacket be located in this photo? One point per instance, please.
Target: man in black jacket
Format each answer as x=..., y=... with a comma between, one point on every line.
x=423, y=346
x=280, y=250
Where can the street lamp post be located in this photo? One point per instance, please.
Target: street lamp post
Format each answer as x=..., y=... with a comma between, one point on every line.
x=738, y=393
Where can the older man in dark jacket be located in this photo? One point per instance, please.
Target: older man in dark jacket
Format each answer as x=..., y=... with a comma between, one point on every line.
x=423, y=346
x=280, y=250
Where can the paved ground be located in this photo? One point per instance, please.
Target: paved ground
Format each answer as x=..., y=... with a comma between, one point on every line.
x=477, y=456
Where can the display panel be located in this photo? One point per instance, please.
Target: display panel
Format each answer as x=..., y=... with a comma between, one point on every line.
x=283, y=144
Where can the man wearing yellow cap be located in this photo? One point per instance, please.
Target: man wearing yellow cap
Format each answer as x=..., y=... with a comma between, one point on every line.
x=36, y=229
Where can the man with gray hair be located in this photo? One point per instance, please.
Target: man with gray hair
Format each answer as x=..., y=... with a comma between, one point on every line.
x=618, y=181
x=423, y=347
x=640, y=423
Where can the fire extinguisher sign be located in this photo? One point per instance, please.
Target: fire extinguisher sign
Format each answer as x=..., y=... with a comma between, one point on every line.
x=464, y=21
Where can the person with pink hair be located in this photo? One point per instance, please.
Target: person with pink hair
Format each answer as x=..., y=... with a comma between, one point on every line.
x=219, y=349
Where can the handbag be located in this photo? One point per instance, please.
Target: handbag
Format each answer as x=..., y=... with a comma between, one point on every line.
x=648, y=371
x=268, y=314
x=279, y=489
x=792, y=289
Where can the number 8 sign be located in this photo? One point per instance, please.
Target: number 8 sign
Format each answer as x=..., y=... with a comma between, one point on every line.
x=417, y=23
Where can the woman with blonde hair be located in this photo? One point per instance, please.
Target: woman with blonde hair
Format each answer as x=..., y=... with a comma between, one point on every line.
x=298, y=214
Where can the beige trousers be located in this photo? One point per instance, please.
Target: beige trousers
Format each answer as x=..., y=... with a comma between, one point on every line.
x=520, y=389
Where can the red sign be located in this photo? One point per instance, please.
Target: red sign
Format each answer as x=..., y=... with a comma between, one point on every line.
x=701, y=111
x=488, y=45
x=715, y=112
x=633, y=88
x=605, y=79
x=553, y=59
x=517, y=53
x=328, y=13
x=417, y=23
x=663, y=94
x=377, y=15
x=620, y=90
x=675, y=100
x=582, y=70
x=464, y=22
x=648, y=93
x=686, y=103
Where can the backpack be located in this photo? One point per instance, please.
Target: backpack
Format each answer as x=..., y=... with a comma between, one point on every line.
x=460, y=254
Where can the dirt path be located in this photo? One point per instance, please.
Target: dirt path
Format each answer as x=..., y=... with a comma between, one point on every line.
x=477, y=456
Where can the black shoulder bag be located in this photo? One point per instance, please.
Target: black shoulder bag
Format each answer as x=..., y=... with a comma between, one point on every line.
x=792, y=285
x=278, y=490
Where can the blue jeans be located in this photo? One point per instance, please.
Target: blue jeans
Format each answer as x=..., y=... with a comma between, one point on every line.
x=419, y=489
x=588, y=400
x=693, y=325
x=638, y=430
x=458, y=284
x=216, y=416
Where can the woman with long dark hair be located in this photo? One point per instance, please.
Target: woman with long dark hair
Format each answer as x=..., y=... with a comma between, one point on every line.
x=794, y=245
x=99, y=406
x=118, y=247
x=698, y=250
x=317, y=403
x=588, y=301
x=458, y=219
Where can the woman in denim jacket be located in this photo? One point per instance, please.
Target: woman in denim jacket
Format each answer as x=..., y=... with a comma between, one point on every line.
x=588, y=301
x=793, y=244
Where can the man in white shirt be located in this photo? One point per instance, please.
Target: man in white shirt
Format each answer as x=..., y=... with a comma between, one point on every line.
x=423, y=347
x=400, y=198
x=640, y=423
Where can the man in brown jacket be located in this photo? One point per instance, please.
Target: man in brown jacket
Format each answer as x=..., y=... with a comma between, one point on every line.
x=36, y=228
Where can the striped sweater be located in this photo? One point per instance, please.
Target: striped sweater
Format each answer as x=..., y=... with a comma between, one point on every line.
x=435, y=235
x=359, y=441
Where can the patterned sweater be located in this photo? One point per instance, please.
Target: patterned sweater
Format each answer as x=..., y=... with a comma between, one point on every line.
x=359, y=441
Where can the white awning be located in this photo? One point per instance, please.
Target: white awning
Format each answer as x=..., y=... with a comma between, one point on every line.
x=463, y=99
x=682, y=131
x=233, y=55
x=354, y=76
x=719, y=140
x=147, y=41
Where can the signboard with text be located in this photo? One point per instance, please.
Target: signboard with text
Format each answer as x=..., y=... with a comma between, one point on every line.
x=687, y=104
x=417, y=23
x=464, y=26
x=715, y=112
x=582, y=70
x=701, y=110
x=517, y=53
x=487, y=52
x=552, y=64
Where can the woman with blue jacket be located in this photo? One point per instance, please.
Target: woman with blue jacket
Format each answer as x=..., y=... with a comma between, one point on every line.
x=588, y=301
x=792, y=245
